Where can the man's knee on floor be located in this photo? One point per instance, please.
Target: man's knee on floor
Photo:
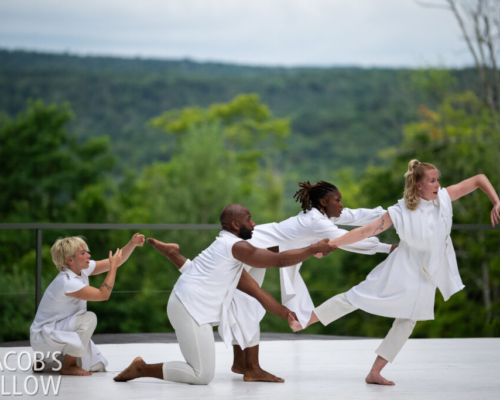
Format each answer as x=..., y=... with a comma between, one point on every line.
x=205, y=378
x=206, y=375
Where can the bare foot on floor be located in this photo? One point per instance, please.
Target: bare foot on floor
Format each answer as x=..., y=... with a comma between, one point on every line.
x=131, y=372
x=74, y=370
x=167, y=249
x=238, y=369
x=378, y=379
x=39, y=367
x=259, y=375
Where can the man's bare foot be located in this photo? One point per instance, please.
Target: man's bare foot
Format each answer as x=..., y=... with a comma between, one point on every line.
x=259, y=375
x=377, y=379
x=167, y=249
x=74, y=370
x=131, y=372
x=238, y=369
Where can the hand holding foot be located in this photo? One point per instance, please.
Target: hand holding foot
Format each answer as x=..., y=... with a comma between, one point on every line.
x=294, y=323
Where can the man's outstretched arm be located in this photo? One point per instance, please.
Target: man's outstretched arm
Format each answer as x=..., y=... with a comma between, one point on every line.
x=260, y=258
x=249, y=286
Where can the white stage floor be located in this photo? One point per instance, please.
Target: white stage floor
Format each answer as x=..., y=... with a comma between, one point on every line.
x=425, y=369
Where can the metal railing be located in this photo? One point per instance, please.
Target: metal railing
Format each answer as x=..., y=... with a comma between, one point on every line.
x=39, y=227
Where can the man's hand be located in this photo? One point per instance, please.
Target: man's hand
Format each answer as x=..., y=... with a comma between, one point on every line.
x=116, y=259
x=324, y=247
x=394, y=247
x=138, y=239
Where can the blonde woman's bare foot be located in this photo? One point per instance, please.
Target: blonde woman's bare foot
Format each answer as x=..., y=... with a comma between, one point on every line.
x=74, y=370
x=377, y=379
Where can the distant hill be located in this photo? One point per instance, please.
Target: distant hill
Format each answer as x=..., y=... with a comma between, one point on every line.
x=340, y=116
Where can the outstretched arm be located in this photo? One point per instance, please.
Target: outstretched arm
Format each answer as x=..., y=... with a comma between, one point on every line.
x=358, y=234
x=469, y=185
x=260, y=258
x=90, y=293
x=248, y=285
x=103, y=265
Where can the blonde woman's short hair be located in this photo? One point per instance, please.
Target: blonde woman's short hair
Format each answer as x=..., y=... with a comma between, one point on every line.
x=64, y=248
x=416, y=172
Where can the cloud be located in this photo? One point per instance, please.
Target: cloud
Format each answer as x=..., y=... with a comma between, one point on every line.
x=276, y=32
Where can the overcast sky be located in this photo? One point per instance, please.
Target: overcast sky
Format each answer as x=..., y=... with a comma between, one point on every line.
x=367, y=33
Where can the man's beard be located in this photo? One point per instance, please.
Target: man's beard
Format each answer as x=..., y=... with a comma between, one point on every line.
x=245, y=233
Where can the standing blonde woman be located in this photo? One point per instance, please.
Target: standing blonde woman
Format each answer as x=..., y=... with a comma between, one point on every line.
x=404, y=285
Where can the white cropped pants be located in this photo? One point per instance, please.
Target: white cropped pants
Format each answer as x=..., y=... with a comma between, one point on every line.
x=85, y=325
x=338, y=306
x=197, y=345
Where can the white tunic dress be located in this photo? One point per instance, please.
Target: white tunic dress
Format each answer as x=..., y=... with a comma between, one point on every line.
x=404, y=285
x=301, y=231
x=53, y=329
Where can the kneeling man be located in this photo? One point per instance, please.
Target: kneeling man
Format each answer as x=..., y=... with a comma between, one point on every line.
x=204, y=292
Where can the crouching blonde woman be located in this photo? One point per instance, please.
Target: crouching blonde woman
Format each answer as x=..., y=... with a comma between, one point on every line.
x=62, y=323
x=404, y=285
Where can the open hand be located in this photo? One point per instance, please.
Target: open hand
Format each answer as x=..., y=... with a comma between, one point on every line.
x=115, y=259
x=138, y=239
x=495, y=214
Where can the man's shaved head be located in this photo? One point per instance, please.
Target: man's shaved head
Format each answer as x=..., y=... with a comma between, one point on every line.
x=237, y=219
x=232, y=212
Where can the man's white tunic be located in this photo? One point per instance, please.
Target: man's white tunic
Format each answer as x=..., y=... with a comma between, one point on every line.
x=208, y=285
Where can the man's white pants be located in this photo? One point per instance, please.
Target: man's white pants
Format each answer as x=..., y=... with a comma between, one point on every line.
x=259, y=277
x=338, y=306
x=197, y=345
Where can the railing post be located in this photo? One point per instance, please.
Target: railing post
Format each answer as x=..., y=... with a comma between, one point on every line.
x=38, y=282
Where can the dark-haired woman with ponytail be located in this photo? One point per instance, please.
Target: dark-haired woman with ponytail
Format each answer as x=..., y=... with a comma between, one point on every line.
x=404, y=285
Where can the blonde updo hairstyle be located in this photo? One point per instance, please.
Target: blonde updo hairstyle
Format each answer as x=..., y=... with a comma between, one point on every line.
x=416, y=172
x=64, y=248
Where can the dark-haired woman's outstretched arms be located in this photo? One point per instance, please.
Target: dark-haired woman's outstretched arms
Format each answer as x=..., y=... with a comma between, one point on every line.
x=469, y=185
x=358, y=234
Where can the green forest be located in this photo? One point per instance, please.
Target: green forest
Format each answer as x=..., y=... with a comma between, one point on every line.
x=111, y=140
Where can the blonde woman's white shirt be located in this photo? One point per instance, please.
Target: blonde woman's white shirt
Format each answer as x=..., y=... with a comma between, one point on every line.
x=404, y=285
x=53, y=327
